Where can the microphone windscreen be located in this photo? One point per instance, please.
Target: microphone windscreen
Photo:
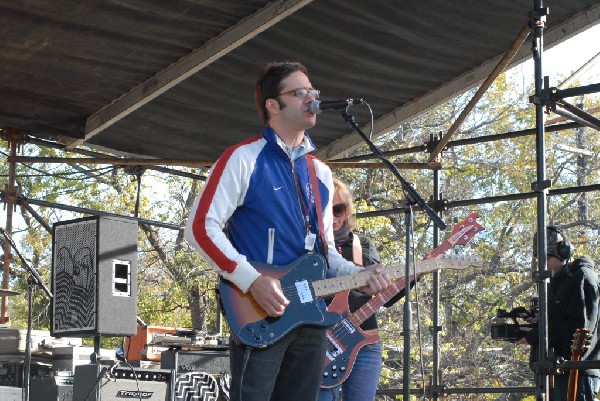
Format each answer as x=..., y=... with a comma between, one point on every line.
x=313, y=107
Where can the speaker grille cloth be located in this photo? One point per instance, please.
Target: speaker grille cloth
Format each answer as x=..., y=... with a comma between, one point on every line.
x=197, y=386
x=74, y=276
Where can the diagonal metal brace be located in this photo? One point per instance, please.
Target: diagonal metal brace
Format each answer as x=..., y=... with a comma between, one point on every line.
x=595, y=122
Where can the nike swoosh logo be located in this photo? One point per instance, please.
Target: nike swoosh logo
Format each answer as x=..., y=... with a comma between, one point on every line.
x=277, y=188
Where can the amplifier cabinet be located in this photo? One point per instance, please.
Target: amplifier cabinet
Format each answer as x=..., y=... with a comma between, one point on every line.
x=92, y=383
x=142, y=346
x=51, y=388
x=11, y=393
x=214, y=362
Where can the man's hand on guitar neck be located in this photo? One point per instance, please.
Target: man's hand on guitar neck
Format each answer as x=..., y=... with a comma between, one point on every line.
x=378, y=281
x=267, y=293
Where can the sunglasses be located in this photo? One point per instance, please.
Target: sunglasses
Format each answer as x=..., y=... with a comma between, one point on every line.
x=339, y=209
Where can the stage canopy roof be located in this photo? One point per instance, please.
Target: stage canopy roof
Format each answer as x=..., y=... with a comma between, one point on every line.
x=174, y=79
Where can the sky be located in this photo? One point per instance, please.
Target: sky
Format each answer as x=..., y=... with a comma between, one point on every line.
x=567, y=57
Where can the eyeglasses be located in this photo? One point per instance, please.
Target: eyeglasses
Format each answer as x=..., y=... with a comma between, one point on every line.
x=302, y=92
x=339, y=209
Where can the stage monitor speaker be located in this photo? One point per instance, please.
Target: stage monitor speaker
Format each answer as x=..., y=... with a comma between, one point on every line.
x=94, y=277
x=94, y=383
x=51, y=388
x=214, y=362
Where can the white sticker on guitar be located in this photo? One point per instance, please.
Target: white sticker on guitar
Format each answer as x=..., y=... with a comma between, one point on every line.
x=304, y=291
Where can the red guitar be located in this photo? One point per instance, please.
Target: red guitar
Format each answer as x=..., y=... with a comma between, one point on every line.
x=581, y=341
x=346, y=338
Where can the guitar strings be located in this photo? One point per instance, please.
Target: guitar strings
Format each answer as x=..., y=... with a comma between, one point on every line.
x=340, y=330
x=340, y=283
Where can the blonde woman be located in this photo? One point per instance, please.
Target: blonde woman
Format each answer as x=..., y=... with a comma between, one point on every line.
x=361, y=384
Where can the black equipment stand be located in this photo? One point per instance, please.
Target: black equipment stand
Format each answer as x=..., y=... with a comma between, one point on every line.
x=412, y=198
x=33, y=281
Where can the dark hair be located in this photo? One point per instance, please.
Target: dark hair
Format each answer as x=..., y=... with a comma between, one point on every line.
x=268, y=84
x=556, y=243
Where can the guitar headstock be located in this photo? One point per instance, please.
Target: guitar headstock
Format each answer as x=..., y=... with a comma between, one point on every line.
x=465, y=230
x=581, y=342
x=458, y=262
x=461, y=235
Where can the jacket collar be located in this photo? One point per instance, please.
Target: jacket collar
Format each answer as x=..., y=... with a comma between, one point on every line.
x=305, y=147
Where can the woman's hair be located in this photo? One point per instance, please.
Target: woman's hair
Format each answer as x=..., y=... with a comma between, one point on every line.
x=345, y=195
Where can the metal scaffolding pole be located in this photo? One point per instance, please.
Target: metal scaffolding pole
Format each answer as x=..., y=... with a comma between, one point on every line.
x=10, y=198
x=538, y=21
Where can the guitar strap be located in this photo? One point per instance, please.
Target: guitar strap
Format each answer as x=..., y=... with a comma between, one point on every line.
x=315, y=185
x=357, y=253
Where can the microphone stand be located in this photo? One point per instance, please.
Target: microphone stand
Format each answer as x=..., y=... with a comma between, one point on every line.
x=33, y=280
x=412, y=198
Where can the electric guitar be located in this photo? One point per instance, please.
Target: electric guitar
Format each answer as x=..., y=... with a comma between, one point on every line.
x=303, y=284
x=581, y=341
x=346, y=338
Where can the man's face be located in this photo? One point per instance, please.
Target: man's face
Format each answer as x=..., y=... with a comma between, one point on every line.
x=555, y=264
x=294, y=111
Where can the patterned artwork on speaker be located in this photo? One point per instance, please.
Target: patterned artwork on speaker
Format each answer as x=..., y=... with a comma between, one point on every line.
x=74, y=268
x=224, y=383
x=196, y=386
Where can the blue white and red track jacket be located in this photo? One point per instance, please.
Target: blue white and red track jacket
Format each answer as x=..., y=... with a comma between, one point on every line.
x=250, y=209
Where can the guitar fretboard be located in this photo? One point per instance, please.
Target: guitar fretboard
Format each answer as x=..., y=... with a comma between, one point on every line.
x=326, y=287
x=370, y=307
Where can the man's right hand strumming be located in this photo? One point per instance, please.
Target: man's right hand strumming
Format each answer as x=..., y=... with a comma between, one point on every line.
x=267, y=293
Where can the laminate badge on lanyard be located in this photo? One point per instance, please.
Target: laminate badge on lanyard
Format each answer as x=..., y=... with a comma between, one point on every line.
x=309, y=241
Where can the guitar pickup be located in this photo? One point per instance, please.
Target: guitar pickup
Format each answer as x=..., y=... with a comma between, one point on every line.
x=303, y=290
x=349, y=326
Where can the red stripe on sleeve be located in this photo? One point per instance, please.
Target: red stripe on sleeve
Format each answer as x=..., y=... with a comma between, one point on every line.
x=199, y=224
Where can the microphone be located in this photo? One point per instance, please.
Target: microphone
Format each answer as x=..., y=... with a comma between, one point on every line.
x=317, y=106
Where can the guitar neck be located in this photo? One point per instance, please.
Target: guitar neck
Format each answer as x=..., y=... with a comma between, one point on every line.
x=462, y=234
x=466, y=234
x=330, y=286
x=441, y=249
x=369, y=308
